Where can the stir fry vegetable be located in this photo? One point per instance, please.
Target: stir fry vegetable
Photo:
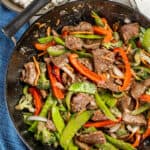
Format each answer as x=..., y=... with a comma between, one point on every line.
x=89, y=88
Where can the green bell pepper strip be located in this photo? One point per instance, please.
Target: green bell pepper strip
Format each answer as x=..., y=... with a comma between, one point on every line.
x=119, y=143
x=90, y=36
x=97, y=19
x=83, y=54
x=44, y=40
x=101, y=104
x=108, y=99
x=107, y=146
x=58, y=40
x=48, y=104
x=146, y=40
x=141, y=109
x=83, y=87
x=68, y=99
x=57, y=119
x=74, y=124
x=55, y=52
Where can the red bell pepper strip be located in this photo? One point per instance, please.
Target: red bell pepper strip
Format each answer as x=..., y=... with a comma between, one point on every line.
x=147, y=132
x=37, y=100
x=101, y=124
x=57, y=73
x=99, y=30
x=127, y=77
x=137, y=140
x=58, y=93
x=106, y=30
x=43, y=47
x=85, y=71
x=145, y=98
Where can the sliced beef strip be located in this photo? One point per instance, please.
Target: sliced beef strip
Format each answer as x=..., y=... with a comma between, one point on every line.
x=80, y=102
x=92, y=46
x=61, y=60
x=86, y=62
x=110, y=84
x=134, y=119
x=50, y=125
x=81, y=145
x=103, y=60
x=29, y=74
x=92, y=138
x=73, y=43
x=125, y=103
x=129, y=31
x=138, y=89
x=83, y=26
x=98, y=116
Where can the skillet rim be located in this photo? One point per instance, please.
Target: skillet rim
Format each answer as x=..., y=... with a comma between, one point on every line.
x=19, y=43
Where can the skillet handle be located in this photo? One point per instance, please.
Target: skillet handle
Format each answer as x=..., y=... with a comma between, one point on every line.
x=10, y=29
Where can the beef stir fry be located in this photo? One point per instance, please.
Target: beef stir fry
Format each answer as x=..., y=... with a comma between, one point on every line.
x=89, y=86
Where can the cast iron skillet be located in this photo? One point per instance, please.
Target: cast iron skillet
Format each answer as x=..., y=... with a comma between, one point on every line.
x=69, y=14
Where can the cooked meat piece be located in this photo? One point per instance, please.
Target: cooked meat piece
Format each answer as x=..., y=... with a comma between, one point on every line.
x=98, y=116
x=61, y=60
x=80, y=101
x=81, y=145
x=103, y=60
x=86, y=62
x=92, y=46
x=134, y=120
x=93, y=138
x=125, y=103
x=50, y=125
x=129, y=31
x=110, y=84
x=83, y=26
x=92, y=105
x=73, y=43
x=138, y=89
x=29, y=74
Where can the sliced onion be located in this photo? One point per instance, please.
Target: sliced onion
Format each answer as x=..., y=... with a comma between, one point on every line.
x=133, y=129
x=145, y=57
x=115, y=128
x=118, y=72
x=37, y=118
x=65, y=69
x=59, y=85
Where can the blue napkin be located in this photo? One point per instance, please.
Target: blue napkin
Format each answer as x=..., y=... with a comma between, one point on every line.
x=9, y=139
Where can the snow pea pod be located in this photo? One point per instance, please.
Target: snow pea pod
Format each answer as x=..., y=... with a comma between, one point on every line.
x=101, y=104
x=119, y=143
x=90, y=36
x=57, y=119
x=44, y=40
x=141, y=109
x=74, y=124
x=58, y=40
x=48, y=104
x=97, y=19
x=68, y=99
x=84, y=87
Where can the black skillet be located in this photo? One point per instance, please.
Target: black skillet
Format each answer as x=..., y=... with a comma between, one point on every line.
x=69, y=14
